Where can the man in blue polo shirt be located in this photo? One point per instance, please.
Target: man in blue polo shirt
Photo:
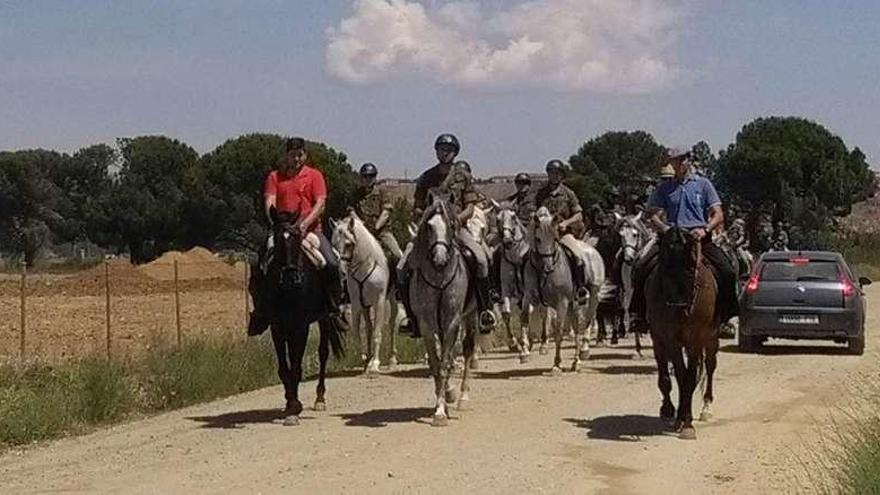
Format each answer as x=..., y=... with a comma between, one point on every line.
x=687, y=201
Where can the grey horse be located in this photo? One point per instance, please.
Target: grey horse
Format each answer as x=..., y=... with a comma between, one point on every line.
x=514, y=247
x=439, y=294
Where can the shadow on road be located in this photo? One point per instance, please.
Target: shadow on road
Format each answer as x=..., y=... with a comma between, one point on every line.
x=607, y=356
x=380, y=418
x=509, y=374
x=238, y=419
x=422, y=372
x=789, y=350
x=625, y=428
x=646, y=369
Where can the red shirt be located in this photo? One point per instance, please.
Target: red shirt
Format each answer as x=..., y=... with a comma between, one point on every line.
x=298, y=193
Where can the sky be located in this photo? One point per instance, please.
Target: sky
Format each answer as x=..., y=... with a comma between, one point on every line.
x=519, y=81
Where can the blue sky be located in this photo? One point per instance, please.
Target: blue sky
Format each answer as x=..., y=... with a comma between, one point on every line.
x=78, y=72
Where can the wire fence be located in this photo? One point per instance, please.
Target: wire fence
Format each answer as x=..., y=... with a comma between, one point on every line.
x=118, y=309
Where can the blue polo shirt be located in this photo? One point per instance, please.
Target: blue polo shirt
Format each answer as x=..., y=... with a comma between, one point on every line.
x=686, y=203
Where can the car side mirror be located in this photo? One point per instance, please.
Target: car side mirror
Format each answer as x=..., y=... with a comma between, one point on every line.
x=865, y=281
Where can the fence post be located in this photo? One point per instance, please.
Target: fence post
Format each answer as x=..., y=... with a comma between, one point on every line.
x=247, y=302
x=107, y=304
x=177, y=303
x=23, y=332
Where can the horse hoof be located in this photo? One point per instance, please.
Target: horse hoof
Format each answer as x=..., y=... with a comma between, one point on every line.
x=584, y=354
x=440, y=420
x=688, y=433
x=554, y=371
x=464, y=404
x=576, y=367
x=706, y=416
x=320, y=406
x=524, y=359
x=392, y=363
x=292, y=420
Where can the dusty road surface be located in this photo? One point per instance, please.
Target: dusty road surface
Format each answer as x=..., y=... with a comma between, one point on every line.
x=593, y=432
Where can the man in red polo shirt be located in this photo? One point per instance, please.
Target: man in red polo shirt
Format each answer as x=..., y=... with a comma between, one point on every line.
x=297, y=187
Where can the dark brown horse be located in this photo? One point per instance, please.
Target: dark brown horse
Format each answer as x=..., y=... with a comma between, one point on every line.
x=681, y=293
x=298, y=296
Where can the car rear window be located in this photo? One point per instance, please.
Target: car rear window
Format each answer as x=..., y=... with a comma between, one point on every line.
x=800, y=270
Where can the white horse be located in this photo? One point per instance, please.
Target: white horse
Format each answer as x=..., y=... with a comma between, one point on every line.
x=634, y=236
x=367, y=277
x=444, y=314
x=513, y=248
x=548, y=284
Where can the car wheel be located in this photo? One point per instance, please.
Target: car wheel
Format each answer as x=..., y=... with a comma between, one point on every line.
x=856, y=345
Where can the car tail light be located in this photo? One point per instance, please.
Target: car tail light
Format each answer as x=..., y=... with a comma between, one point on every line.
x=752, y=285
x=846, y=286
x=800, y=260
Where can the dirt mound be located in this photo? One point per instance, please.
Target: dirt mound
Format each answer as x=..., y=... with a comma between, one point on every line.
x=196, y=264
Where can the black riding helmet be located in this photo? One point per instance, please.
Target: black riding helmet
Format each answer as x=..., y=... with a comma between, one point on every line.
x=369, y=170
x=449, y=140
x=555, y=165
x=522, y=178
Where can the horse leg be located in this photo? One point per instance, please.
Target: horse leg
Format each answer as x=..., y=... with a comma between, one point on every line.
x=392, y=309
x=573, y=322
x=524, y=338
x=547, y=322
x=664, y=383
x=438, y=370
x=558, y=327
x=711, y=364
x=323, y=358
x=296, y=347
x=694, y=362
x=512, y=344
x=469, y=347
x=358, y=313
x=372, y=317
x=600, y=321
x=284, y=373
x=680, y=370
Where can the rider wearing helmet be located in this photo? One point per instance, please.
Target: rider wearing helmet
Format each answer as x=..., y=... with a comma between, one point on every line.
x=521, y=201
x=687, y=201
x=563, y=204
x=452, y=182
x=374, y=208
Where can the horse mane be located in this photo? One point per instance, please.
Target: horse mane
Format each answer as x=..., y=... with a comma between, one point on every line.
x=678, y=267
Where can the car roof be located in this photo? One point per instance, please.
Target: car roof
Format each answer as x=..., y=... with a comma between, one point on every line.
x=813, y=255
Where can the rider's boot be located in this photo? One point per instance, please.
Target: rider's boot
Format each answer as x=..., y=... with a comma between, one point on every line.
x=484, y=303
x=495, y=274
x=408, y=325
x=259, y=318
x=334, y=297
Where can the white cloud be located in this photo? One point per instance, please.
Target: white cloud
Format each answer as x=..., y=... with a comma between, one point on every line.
x=572, y=45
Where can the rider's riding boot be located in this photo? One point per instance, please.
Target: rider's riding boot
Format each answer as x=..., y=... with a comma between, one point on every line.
x=408, y=326
x=484, y=303
x=259, y=319
x=334, y=298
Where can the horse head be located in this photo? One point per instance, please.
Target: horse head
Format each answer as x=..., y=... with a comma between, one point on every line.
x=344, y=238
x=436, y=234
x=633, y=235
x=511, y=228
x=543, y=237
x=288, y=250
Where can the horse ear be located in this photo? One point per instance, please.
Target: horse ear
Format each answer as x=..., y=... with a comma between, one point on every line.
x=638, y=217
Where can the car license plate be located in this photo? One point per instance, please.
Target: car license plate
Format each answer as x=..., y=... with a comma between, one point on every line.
x=799, y=319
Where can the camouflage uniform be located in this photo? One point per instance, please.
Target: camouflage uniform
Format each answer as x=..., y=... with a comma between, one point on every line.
x=374, y=200
x=563, y=204
x=523, y=204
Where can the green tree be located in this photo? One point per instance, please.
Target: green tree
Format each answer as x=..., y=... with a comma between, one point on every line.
x=793, y=170
x=615, y=165
x=147, y=203
x=31, y=203
x=85, y=182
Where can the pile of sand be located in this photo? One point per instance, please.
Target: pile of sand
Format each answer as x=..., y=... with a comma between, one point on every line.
x=196, y=264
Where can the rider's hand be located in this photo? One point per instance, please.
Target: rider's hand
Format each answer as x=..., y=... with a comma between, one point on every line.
x=699, y=234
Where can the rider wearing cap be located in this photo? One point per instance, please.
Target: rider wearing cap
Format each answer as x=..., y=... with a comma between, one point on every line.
x=567, y=213
x=452, y=182
x=295, y=187
x=688, y=201
x=374, y=208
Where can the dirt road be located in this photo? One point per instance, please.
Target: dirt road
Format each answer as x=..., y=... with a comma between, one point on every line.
x=593, y=432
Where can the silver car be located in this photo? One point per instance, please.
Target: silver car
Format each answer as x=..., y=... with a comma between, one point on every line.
x=803, y=295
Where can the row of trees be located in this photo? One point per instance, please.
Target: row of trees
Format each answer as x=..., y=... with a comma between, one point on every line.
x=154, y=193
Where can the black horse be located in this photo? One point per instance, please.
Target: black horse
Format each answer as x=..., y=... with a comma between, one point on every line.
x=610, y=309
x=297, y=294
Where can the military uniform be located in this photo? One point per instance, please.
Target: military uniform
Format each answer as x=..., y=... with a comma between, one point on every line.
x=523, y=204
x=563, y=204
x=374, y=200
